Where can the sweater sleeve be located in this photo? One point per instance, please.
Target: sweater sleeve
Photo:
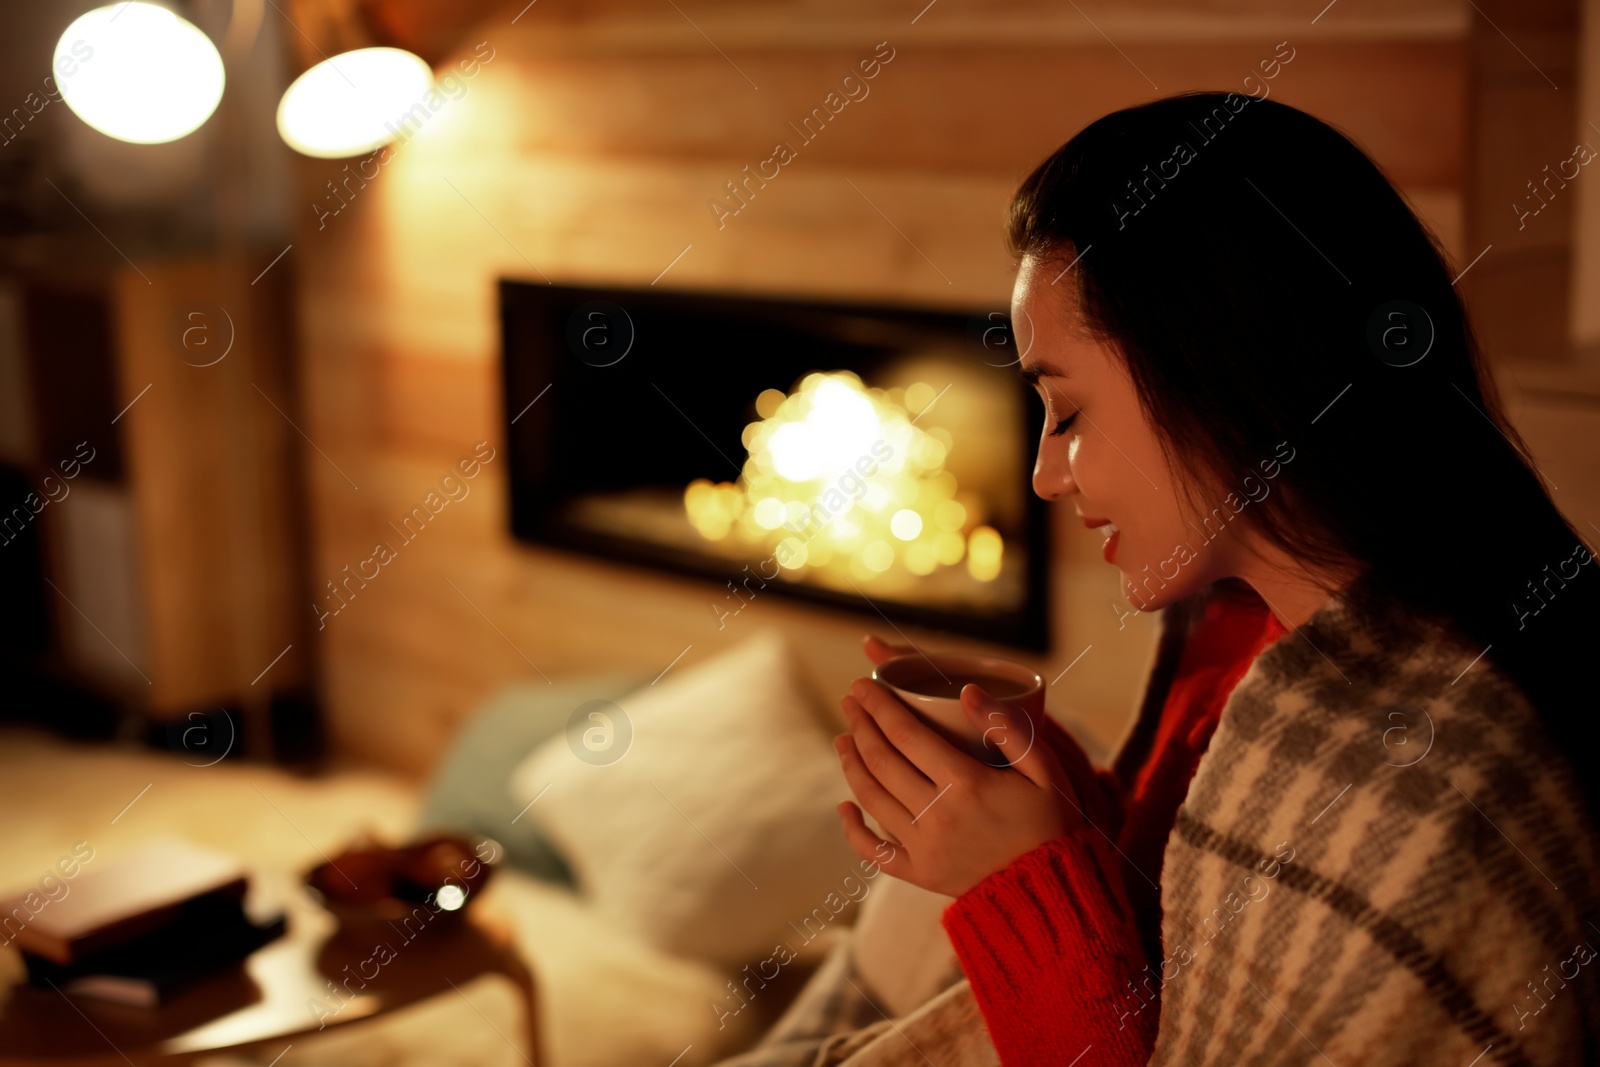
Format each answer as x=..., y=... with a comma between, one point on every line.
x=1051, y=949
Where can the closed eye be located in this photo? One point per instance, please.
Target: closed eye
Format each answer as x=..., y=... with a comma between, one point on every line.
x=1064, y=425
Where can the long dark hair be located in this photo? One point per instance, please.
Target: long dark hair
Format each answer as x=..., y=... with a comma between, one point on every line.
x=1263, y=281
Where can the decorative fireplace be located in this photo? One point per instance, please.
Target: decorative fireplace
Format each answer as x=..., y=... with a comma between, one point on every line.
x=873, y=458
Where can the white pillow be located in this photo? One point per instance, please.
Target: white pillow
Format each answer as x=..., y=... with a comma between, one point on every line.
x=714, y=834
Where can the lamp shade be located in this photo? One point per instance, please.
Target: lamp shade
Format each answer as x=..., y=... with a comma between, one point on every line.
x=141, y=73
x=352, y=103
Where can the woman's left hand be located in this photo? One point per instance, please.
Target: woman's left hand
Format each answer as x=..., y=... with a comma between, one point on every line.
x=953, y=820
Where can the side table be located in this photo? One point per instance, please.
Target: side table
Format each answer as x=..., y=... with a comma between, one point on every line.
x=355, y=971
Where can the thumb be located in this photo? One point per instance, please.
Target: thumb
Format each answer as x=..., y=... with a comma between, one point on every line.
x=1009, y=735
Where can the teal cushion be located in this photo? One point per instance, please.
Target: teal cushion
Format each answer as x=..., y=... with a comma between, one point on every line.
x=470, y=793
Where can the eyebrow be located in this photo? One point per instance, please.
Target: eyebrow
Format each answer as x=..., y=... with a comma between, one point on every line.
x=1032, y=374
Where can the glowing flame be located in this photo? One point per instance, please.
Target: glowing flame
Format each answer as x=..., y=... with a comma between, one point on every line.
x=840, y=477
x=838, y=426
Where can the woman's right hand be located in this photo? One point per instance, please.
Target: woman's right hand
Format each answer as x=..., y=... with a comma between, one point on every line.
x=1098, y=788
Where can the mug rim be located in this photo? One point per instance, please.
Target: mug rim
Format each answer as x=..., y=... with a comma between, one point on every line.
x=965, y=662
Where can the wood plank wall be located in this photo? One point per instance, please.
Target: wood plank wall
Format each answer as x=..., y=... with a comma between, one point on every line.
x=1526, y=121
x=585, y=148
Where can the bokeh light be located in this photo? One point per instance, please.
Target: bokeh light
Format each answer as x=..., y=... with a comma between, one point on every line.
x=839, y=477
x=985, y=551
x=354, y=102
x=140, y=73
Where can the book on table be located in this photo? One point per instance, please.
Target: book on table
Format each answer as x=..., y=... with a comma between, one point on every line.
x=140, y=927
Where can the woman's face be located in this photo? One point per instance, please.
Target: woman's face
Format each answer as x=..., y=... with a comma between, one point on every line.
x=1099, y=453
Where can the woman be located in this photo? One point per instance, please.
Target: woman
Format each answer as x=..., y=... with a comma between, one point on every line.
x=1345, y=825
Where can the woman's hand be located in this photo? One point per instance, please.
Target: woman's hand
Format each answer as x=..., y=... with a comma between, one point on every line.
x=952, y=819
x=1094, y=788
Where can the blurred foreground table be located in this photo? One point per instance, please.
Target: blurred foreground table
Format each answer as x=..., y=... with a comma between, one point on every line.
x=279, y=993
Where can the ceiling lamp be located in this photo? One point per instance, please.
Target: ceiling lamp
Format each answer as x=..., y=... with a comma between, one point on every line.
x=352, y=103
x=144, y=75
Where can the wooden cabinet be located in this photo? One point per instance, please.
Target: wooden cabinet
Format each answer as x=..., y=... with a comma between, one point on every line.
x=172, y=558
x=212, y=456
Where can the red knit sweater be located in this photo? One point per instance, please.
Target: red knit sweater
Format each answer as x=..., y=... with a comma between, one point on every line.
x=1056, y=944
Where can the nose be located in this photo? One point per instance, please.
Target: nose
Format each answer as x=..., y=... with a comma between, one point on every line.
x=1052, y=475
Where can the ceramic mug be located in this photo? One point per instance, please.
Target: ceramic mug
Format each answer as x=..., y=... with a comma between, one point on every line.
x=931, y=687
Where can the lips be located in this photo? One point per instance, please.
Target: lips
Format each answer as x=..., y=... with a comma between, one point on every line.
x=1108, y=531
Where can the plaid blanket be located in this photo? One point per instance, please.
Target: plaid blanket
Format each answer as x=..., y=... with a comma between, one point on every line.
x=836, y=1020
x=1381, y=860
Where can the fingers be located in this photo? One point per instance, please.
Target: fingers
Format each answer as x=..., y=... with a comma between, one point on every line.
x=1013, y=733
x=890, y=813
x=931, y=754
x=878, y=650
x=910, y=786
x=868, y=845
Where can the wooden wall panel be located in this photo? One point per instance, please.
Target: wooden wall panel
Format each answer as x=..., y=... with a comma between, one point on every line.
x=1524, y=101
x=585, y=152
x=613, y=106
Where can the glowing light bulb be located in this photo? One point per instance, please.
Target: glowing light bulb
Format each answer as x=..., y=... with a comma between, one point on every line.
x=905, y=524
x=768, y=401
x=791, y=554
x=351, y=104
x=949, y=515
x=769, y=513
x=146, y=76
x=878, y=556
x=918, y=396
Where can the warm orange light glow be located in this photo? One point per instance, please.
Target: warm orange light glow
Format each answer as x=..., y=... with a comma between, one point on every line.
x=984, y=552
x=840, y=477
